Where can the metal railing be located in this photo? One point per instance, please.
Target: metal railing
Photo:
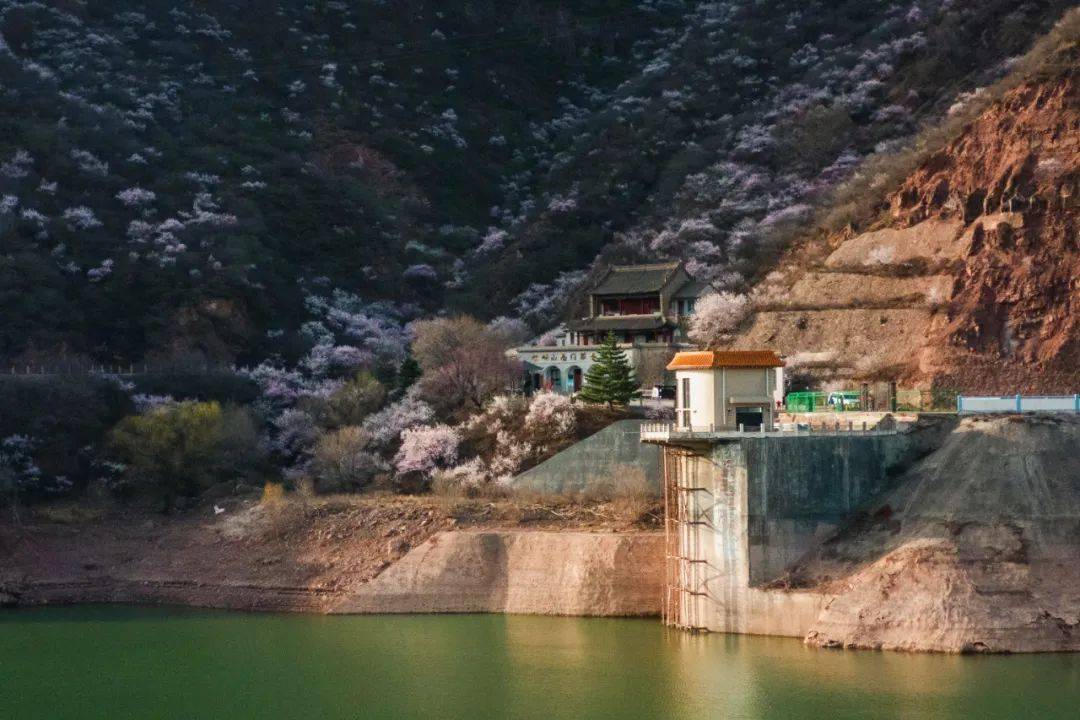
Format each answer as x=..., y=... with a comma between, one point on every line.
x=666, y=431
x=1017, y=403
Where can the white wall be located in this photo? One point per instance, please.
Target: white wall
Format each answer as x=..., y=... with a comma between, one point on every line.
x=704, y=391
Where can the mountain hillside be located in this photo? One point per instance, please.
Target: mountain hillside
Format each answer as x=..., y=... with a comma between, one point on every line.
x=730, y=138
x=970, y=277
x=241, y=180
x=180, y=177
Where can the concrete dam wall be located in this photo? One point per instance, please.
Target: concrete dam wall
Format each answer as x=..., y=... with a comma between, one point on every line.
x=800, y=490
x=742, y=511
x=613, y=459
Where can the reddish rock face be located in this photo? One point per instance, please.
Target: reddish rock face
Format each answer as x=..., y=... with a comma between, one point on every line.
x=1013, y=178
x=971, y=281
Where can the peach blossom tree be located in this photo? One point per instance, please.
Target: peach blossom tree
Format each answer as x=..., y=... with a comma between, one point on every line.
x=716, y=316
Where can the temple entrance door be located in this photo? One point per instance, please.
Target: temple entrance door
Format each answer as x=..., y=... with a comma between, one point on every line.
x=575, y=378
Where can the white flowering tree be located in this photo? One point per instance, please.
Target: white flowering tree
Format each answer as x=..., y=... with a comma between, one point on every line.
x=551, y=417
x=716, y=316
x=425, y=449
x=386, y=426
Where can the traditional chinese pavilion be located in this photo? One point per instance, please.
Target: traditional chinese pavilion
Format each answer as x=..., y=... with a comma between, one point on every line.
x=646, y=306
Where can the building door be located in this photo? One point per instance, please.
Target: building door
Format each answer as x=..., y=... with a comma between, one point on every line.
x=575, y=377
x=750, y=418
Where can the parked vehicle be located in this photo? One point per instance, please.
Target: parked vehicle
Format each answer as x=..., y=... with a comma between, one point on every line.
x=817, y=401
x=845, y=400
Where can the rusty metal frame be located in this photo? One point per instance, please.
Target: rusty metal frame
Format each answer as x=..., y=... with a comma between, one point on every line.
x=680, y=573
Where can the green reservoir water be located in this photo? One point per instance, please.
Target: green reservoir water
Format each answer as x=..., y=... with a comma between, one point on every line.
x=123, y=662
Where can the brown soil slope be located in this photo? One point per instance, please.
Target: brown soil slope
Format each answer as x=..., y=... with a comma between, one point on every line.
x=970, y=281
x=976, y=550
x=315, y=555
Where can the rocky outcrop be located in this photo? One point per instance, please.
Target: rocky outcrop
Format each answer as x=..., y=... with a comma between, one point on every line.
x=521, y=572
x=1013, y=178
x=499, y=571
x=970, y=280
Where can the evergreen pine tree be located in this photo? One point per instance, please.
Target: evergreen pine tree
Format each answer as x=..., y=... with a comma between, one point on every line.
x=408, y=373
x=610, y=379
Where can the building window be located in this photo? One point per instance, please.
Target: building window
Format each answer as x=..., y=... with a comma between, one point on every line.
x=630, y=306
x=684, y=402
x=685, y=307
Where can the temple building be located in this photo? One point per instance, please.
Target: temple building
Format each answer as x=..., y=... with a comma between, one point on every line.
x=646, y=306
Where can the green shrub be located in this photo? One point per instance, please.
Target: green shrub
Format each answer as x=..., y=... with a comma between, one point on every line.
x=356, y=399
x=344, y=461
x=180, y=449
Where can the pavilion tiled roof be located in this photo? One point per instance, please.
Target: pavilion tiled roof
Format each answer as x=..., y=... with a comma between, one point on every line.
x=706, y=359
x=635, y=279
x=692, y=289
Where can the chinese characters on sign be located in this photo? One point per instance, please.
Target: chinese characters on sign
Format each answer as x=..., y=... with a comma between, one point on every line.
x=553, y=357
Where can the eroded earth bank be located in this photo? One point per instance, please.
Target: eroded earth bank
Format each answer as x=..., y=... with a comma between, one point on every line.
x=347, y=554
x=975, y=550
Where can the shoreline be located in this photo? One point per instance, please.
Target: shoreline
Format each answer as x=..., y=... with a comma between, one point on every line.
x=345, y=555
x=466, y=577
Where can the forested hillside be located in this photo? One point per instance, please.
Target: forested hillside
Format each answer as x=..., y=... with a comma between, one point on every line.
x=243, y=180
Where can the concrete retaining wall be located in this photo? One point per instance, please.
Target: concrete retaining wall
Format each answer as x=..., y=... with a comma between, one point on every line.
x=612, y=459
x=800, y=490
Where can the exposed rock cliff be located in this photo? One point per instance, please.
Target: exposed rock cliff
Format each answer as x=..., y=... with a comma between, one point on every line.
x=970, y=280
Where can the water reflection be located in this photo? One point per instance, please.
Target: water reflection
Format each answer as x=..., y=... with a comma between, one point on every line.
x=130, y=662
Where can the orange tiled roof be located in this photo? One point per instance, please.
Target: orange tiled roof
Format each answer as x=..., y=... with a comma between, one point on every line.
x=705, y=359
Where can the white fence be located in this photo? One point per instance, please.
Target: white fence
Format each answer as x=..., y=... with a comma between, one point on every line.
x=1017, y=403
x=664, y=432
